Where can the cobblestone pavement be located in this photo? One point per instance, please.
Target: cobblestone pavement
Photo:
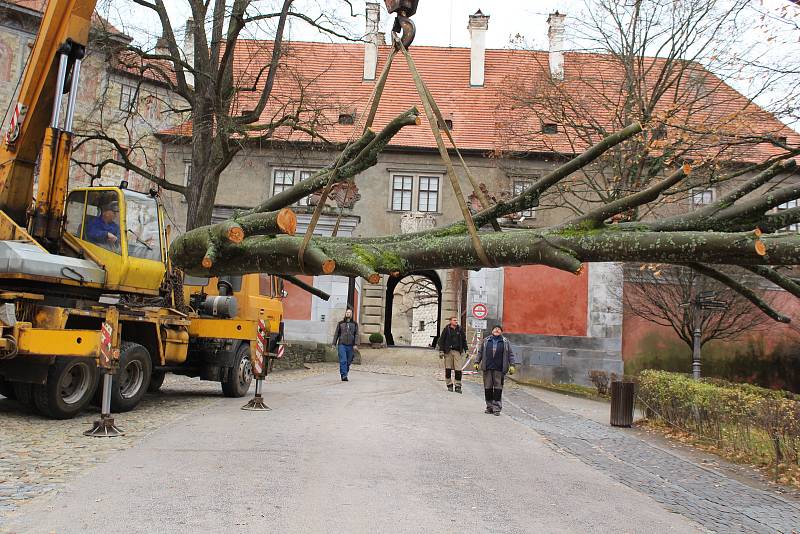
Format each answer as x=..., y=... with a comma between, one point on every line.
x=712, y=499
x=38, y=455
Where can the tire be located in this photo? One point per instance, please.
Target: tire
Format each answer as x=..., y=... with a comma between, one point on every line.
x=71, y=383
x=7, y=390
x=241, y=374
x=130, y=384
x=24, y=394
x=156, y=381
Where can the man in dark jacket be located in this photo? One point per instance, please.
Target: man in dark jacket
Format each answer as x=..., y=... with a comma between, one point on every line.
x=495, y=359
x=345, y=338
x=452, y=344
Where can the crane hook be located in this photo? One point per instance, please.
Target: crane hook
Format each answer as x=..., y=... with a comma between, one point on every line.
x=405, y=29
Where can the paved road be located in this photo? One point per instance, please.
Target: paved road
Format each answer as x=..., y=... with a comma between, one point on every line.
x=710, y=497
x=381, y=453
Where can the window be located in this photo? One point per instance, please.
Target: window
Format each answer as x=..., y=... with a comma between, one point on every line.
x=549, y=128
x=428, y=193
x=76, y=204
x=266, y=285
x=101, y=220
x=702, y=197
x=519, y=187
x=347, y=118
x=127, y=97
x=402, y=190
x=187, y=172
x=785, y=206
x=141, y=220
x=448, y=123
x=283, y=179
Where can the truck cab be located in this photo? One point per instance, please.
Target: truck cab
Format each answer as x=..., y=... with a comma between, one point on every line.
x=121, y=230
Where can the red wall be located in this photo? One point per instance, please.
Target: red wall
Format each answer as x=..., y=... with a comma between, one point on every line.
x=641, y=337
x=297, y=304
x=542, y=300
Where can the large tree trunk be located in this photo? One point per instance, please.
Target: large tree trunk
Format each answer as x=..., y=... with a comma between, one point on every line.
x=729, y=233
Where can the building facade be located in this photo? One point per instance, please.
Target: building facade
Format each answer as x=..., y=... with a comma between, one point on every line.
x=564, y=325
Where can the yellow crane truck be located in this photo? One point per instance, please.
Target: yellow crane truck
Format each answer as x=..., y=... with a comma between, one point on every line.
x=86, y=286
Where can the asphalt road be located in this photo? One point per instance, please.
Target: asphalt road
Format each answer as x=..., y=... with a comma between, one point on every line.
x=381, y=453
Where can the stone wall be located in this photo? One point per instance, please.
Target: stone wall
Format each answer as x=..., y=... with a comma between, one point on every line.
x=299, y=353
x=565, y=359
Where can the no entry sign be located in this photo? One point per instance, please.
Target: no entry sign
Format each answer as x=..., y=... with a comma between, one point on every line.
x=480, y=311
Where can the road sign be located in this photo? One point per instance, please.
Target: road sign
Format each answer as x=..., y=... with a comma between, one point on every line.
x=478, y=324
x=480, y=311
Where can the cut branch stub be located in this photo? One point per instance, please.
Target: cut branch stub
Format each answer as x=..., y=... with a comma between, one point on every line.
x=211, y=255
x=283, y=221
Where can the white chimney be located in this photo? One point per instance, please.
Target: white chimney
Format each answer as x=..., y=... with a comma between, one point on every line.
x=478, y=25
x=188, y=49
x=555, y=33
x=373, y=40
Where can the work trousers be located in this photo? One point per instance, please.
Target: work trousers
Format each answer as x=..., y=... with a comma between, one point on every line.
x=493, y=389
x=345, y=359
x=452, y=361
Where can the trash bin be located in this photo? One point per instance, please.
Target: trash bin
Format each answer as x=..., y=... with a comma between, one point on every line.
x=622, y=394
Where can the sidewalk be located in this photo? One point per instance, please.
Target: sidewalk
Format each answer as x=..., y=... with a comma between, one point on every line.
x=711, y=497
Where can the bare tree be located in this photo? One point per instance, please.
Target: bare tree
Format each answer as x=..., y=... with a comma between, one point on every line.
x=662, y=63
x=422, y=290
x=222, y=90
x=662, y=295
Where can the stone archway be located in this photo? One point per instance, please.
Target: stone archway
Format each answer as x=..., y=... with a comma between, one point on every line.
x=413, y=309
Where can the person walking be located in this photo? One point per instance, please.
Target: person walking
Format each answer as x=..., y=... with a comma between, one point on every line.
x=495, y=359
x=452, y=344
x=344, y=339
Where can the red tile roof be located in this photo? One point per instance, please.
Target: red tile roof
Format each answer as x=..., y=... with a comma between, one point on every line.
x=483, y=117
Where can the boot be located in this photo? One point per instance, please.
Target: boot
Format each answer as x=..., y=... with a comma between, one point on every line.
x=449, y=387
x=497, y=397
x=458, y=388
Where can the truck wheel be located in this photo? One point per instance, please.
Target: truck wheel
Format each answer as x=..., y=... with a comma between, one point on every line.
x=70, y=385
x=156, y=381
x=241, y=374
x=7, y=390
x=131, y=382
x=24, y=395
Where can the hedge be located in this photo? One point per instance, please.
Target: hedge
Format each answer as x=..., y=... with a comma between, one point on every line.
x=761, y=422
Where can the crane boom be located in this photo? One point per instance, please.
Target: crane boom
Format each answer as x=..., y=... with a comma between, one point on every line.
x=35, y=124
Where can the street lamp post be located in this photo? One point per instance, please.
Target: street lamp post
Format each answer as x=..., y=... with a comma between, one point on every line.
x=705, y=300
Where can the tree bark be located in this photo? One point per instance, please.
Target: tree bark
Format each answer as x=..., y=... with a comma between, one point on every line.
x=725, y=234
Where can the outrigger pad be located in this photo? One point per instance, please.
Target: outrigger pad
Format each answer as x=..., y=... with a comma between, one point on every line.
x=104, y=428
x=256, y=404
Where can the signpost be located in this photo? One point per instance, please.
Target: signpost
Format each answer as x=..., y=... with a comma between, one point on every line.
x=705, y=300
x=478, y=324
x=480, y=311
